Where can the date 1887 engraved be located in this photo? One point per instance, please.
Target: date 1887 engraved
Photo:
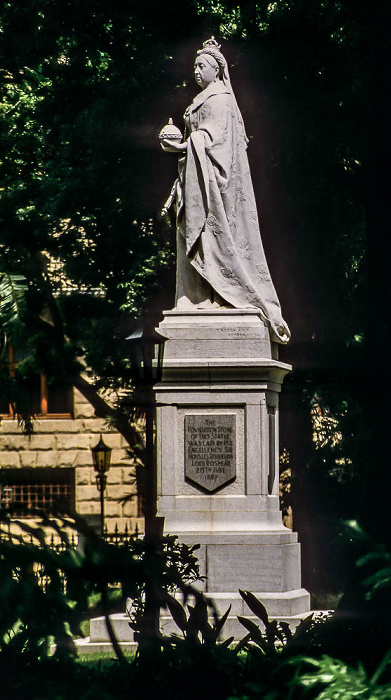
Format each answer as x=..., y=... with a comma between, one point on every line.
x=210, y=450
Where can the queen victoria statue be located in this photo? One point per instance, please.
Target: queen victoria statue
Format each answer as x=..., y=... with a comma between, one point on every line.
x=220, y=257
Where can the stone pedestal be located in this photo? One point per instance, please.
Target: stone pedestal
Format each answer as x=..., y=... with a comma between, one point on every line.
x=217, y=452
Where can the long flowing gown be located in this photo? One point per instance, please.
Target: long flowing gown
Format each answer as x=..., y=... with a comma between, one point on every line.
x=217, y=222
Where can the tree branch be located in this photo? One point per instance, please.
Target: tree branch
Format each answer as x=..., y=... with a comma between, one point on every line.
x=103, y=410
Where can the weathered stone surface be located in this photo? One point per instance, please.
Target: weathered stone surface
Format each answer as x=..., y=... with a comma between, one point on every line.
x=273, y=568
x=58, y=426
x=45, y=459
x=98, y=628
x=111, y=491
x=10, y=426
x=115, y=441
x=129, y=509
x=86, y=507
x=113, y=509
x=41, y=442
x=73, y=442
x=9, y=459
x=88, y=492
x=19, y=442
x=67, y=458
x=84, y=410
x=114, y=477
x=117, y=457
x=84, y=458
x=83, y=476
x=28, y=458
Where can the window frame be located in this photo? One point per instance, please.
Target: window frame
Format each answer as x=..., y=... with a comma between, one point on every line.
x=44, y=412
x=37, y=486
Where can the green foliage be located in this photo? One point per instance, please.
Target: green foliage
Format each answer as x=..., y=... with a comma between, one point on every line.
x=382, y=578
x=32, y=616
x=12, y=304
x=169, y=566
x=74, y=210
x=334, y=680
x=48, y=592
x=374, y=567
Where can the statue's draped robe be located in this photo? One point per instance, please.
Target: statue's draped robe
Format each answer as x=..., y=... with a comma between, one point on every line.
x=216, y=209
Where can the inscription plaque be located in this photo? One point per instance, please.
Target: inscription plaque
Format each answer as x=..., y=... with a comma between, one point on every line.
x=210, y=450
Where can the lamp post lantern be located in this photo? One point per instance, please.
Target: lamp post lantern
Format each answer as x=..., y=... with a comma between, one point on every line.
x=146, y=349
x=101, y=458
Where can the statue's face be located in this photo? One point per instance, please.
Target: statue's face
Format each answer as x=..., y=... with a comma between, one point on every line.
x=204, y=73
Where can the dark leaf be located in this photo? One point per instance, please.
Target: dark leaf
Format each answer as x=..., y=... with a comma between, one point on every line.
x=304, y=626
x=286, y=628
x=177, y=611
x=255, y=606
x=256, y=634
x=222, y=620
x=227, y=642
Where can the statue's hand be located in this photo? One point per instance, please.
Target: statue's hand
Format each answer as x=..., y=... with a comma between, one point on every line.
x=172, y=146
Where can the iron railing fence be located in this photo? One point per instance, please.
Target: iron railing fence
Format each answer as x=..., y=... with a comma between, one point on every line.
x=72, y=540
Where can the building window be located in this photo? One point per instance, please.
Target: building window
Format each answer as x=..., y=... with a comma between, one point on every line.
x=43, y=399
x=25, y=490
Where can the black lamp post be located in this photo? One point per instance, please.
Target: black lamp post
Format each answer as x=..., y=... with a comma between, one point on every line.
x=101, y=458
x=146, y=349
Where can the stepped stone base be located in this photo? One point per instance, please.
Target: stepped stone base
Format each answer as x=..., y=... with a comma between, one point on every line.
x=99, y=642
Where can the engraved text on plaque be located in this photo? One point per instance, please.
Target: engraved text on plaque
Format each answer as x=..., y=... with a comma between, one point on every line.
x=210, y=450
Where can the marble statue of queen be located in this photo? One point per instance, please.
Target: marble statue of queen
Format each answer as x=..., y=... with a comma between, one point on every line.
x=220, y=256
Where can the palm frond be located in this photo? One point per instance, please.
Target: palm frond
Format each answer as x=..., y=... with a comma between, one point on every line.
x=12, y=303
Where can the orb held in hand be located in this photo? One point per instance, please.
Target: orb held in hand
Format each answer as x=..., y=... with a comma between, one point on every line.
x=169, y=133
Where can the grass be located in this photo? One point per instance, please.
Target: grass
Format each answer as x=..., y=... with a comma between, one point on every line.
x=105, y=657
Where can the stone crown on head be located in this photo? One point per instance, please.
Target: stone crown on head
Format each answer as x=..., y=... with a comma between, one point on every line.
x=212, y=48
x=211, y=43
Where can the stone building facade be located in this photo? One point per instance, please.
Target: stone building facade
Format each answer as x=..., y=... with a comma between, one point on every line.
x=55, y=463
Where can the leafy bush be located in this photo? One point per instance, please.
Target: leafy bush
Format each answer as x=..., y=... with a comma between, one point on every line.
x=335, y=680
x=46, y=593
